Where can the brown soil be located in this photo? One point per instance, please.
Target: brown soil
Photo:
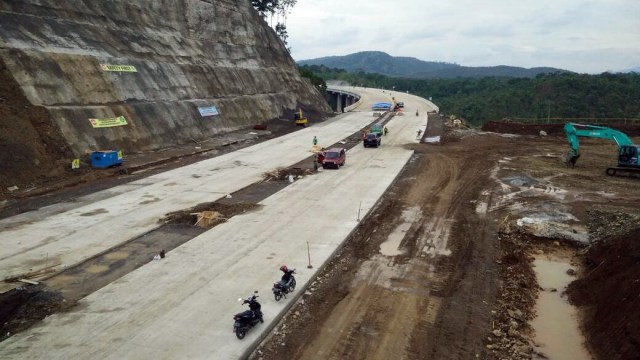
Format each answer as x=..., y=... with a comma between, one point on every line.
x=190, y=217
x=477, y=301
x=553, y=129
x=282, y=174
x=31, y=148
x=462, y=286
x=415, y=305
x=609, y=294
x=24, y=306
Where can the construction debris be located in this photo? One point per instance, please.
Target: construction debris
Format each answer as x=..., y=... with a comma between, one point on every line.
x=207, y=219
x=32, y=274
x=282, y=174
x=28, y=281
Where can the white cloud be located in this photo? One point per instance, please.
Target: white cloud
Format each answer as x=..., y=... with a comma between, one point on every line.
x=579, y=35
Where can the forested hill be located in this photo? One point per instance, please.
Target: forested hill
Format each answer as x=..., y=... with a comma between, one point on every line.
x=478, y=100
x=378, y=62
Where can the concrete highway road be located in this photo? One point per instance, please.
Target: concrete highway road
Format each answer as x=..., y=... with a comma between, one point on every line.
x=182, y=306
x=71, y=232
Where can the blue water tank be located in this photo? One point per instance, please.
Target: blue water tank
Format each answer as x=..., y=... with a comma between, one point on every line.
x=106, y=158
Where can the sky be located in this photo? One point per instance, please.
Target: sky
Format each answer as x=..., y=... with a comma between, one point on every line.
x=586, y=36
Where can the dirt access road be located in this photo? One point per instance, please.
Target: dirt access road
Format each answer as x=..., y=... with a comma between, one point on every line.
x=431, y=275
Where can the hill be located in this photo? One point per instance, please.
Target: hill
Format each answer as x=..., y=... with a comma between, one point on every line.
x=382, y=63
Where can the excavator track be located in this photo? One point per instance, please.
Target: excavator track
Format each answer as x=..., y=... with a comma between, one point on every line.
x=624, y=172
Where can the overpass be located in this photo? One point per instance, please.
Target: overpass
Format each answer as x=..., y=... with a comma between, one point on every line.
x=342, y=100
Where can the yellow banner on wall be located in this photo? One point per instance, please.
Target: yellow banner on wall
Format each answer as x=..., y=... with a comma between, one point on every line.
x=122, y=68
x=108, y=122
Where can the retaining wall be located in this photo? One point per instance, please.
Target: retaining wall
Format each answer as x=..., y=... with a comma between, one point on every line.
x=186, y=53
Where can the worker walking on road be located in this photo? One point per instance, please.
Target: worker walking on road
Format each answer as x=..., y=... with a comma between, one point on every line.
x=315, y=162
x=386, y=131
x=315, y=140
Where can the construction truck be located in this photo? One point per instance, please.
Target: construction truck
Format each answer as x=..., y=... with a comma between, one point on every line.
x=628, y=160
x=300, y=119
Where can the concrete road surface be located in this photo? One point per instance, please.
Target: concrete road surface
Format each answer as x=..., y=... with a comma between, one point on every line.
x=69, y=233
x=182, y=306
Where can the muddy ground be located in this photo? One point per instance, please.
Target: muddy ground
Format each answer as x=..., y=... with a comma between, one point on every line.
x=459, y=284
x=442, y=269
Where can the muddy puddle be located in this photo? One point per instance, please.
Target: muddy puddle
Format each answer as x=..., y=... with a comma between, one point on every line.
x=558, y=335
x=391, y=246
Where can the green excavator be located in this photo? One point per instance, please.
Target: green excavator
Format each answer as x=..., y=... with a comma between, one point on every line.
x=628, y=160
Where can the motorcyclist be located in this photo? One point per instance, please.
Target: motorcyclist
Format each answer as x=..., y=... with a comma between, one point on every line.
x=416, y=112
x=286, y=277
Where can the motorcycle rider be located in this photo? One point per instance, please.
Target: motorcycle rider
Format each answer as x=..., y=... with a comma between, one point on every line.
x=286, y=277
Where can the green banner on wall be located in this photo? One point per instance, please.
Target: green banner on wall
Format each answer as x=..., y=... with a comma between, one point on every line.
x=121, y=68
x=108, y=122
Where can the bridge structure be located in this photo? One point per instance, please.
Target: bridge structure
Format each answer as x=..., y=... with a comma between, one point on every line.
x=342, y=100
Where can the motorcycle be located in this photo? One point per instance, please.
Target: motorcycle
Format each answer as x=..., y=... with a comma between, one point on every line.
x=281, y=289
x=249, y=318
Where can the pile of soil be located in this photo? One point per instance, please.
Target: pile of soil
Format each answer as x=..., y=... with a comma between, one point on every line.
x=557, y=129
x=32, y=150
x=190, y=217
x=282, y=174
x=508, y=127
x=21, y=307
x=604, y=224
x=515, y=306
x=609, y=294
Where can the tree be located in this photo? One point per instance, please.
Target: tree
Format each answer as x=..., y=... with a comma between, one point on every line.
x=281, y=31
x=265, y=6
x=278, y=9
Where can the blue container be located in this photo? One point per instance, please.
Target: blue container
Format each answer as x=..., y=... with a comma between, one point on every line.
x=106, y=158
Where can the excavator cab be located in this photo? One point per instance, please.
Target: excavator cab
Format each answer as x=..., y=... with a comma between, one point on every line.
x=628, y=156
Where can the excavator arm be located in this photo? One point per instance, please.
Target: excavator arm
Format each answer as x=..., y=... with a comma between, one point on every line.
x=574, y=131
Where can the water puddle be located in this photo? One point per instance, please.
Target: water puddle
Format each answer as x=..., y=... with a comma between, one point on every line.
x=391, y=246
x=558, y=335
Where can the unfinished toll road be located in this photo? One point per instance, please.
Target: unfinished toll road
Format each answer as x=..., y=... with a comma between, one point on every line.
x=442, y=268
x=182, y=306
x=72, y=231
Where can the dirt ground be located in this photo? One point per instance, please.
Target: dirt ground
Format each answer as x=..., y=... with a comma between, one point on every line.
x=442, y=269
x=460, y=283
x=31, y=149
x=609, y=293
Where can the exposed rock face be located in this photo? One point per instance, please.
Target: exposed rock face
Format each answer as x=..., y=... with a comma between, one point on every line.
x=187, y=54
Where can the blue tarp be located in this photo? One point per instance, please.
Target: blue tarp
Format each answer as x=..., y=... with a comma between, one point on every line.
x=381, y=106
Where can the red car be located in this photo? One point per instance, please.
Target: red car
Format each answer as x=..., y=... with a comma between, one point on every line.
x=334, y=157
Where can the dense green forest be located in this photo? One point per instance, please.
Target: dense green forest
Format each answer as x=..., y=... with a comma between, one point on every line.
x=478, y=100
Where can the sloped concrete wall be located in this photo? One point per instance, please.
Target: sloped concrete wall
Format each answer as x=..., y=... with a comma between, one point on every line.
x=187, y=53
